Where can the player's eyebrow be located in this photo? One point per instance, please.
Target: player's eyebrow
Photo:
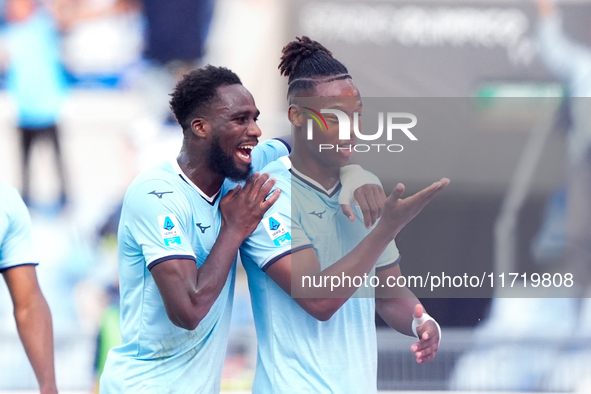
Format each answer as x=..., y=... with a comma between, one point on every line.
x=245, y=113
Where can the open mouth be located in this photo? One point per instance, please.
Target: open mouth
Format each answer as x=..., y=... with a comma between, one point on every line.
x=243, y=152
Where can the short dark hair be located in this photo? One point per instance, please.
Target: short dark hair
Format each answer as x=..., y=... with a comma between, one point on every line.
x=307, y=63
x=194, y=94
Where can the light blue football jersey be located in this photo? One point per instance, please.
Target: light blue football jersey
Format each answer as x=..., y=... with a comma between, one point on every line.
x=165, y=216
x=296, y=352
x=15, y=230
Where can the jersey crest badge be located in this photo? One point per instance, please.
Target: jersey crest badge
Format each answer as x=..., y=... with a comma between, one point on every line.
x=273, y=224
x=169, y=229
x=276, y=229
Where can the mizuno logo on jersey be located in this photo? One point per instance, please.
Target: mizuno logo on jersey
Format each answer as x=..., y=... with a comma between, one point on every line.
x=319, y=214
x=202, y=228
x=159, y=194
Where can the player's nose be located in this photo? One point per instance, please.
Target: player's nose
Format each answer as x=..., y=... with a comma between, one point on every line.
x=254, y=130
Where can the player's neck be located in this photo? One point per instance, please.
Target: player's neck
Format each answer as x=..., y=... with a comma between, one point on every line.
x=198, y=171
x=327, y=177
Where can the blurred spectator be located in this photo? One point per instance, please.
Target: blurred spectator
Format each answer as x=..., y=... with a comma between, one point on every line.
x=175, y=37
x=103, y=40
x=35, y=81
x=177, y=30
x=174, y=45
x=571, y=62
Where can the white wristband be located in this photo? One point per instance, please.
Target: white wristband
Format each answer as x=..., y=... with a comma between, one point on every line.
x=352, y=177
x=416, y=322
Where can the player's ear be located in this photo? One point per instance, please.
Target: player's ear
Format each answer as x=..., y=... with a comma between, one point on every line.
x=200, y=127
x=295, y=115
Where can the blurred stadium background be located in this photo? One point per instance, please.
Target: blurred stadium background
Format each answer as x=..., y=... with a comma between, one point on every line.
x=469, y=49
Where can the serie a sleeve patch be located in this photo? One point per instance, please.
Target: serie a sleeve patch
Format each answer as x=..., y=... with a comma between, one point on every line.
x=276, y=229
x=169, y=229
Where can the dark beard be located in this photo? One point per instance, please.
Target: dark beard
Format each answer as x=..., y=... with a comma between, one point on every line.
x=225, y=165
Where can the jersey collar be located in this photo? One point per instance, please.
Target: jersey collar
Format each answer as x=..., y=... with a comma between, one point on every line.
x=309, y=181
x=185, y=178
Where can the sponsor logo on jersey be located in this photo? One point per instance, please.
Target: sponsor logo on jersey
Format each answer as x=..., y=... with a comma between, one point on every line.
x=276, y=229
x=158, y=194
x=319, y=214
x=202, y=228
x=172, y=240
x=169, y=229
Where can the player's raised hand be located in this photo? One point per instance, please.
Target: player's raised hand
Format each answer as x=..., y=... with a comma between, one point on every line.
x=397, y=211
x=363, y=188
x=370, y=198
x=428, y=332
x=243, y=207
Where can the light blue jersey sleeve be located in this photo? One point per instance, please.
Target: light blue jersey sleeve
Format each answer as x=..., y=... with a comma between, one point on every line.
x=267, y=152
x=263, y=154
x=390, y=256
x=15, y=230
x=272, y=239
x=157, y=219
